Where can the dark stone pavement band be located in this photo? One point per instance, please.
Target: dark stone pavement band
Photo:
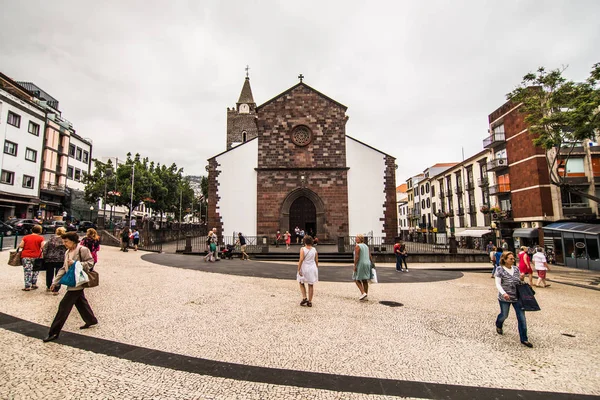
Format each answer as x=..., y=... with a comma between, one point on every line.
x=276, y=376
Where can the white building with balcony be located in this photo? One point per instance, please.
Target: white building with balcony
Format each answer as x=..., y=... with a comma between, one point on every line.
x=21, y=127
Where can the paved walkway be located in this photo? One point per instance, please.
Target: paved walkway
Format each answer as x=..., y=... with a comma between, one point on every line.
x=181, y=333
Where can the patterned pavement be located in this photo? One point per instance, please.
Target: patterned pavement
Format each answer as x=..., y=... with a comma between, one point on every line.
x=183, y=333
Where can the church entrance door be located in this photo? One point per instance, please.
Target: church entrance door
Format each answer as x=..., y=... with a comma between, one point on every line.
x=303, y=214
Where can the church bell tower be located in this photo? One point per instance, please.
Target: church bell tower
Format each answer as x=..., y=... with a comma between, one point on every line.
x=241, y=120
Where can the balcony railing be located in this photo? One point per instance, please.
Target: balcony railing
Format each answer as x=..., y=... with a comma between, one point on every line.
x=458, y=190
x=483, y=182
x=471, y=209
x=497, y=163
x=500, y=189
x=576, y=209
x=53, y=186
x=493, y=140
x=460, y=211
x=469, y=185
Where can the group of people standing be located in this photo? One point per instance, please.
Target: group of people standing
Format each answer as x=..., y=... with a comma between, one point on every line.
x=59, y=254
x=308, y=269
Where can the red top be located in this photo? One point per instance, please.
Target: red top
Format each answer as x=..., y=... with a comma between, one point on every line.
x=522, y=264
x=32, y=246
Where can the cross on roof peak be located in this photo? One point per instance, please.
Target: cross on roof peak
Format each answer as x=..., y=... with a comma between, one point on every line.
x=300, y=77
x=247, y=69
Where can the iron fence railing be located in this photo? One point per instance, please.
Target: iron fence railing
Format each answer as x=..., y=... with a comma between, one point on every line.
x=197, y=243
x=420, y=243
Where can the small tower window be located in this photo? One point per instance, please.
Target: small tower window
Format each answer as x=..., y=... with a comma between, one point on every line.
x=244, y=136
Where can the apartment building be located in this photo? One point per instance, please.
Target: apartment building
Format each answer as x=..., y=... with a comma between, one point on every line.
x=521, y=186
x=402, y=203
x=463, y=195
x=21, y=124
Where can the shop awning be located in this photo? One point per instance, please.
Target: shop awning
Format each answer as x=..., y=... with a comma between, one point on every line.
x=473, y=233
x=527, y=233
x=579, y=227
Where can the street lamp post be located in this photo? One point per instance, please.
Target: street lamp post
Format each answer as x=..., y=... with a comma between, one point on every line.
x=91, y=211
x=131, y=200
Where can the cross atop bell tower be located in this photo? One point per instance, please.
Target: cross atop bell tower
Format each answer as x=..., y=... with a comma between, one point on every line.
x=241, y=120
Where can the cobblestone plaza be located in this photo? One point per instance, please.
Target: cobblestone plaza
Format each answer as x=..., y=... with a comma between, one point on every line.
x=211, y=331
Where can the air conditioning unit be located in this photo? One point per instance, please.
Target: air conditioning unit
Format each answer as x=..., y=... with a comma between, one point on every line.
x=524, y=225
x=501, y=161
x=535, y=224
x=494, y=216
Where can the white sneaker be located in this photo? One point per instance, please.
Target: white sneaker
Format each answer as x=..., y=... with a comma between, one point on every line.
x=406, y=270
x=362, y=296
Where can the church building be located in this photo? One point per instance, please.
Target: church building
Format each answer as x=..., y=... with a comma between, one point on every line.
x=288, y=162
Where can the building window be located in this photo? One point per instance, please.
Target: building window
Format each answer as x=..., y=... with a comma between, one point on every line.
x=422, y=190
x=72, y=150
x=10, y=148
x=77, y=174
x=34, y=128
x=7, y=177
x=428, y=203
x=28, y=181
x=86, y=156
x=422, y=204
x=78, y=154
x=427, y=188
x=14, y=119
x=30, y=155
x=432, y=190
x=244, y=136
x=70, y=172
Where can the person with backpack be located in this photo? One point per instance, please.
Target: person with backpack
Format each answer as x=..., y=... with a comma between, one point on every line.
x=125, y=239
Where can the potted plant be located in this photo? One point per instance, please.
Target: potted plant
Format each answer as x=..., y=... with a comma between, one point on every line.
x=484, y=209
x=495, y=209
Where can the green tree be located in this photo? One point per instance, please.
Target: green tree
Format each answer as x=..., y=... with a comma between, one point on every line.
x=560, y=115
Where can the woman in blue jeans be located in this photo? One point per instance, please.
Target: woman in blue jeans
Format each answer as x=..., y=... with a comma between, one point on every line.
x=507, y=278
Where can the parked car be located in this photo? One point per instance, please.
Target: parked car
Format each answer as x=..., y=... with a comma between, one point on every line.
x=85, y=225
x=50, y=227
x=23, y=226
x=70, y=227
x=6, y=229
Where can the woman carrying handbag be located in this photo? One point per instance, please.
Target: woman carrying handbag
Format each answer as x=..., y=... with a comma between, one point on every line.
x=74, y=296
x=32, y=249
x=54, y=258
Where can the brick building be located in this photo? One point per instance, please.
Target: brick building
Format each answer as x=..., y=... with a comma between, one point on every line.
x=289, y=162
x=521, y=183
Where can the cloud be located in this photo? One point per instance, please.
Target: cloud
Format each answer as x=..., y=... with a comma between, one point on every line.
x=419, y=78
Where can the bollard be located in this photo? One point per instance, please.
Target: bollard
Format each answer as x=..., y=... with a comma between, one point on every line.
x=453, y=245
x=188, y=243
x=340, y=243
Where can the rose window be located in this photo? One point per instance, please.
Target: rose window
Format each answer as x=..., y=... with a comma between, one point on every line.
x=301, y=135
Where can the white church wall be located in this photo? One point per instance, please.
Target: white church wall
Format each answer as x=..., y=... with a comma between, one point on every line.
x=366, y=195
x=237, y=189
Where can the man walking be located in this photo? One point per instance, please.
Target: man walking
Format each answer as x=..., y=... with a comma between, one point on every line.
x=242, y=241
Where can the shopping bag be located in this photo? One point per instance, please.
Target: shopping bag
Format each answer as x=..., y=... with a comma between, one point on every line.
x=39, y=265
x=374, y=275
x=94, y=279
x=81, y=276
x=526, y=298
x=14, y=258
x=68, y=278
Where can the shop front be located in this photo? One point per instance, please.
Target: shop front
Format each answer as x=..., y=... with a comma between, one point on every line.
x=573, y=244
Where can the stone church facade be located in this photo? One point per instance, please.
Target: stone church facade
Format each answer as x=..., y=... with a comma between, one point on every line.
x=290, y=163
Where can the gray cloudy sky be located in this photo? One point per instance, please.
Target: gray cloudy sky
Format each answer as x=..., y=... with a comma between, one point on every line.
x=419, y=77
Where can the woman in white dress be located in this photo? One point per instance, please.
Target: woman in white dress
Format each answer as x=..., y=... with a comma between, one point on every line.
x=308, y=270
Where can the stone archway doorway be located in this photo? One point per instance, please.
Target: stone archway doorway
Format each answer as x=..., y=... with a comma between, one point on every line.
x=304, y=208
x=303, y=214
